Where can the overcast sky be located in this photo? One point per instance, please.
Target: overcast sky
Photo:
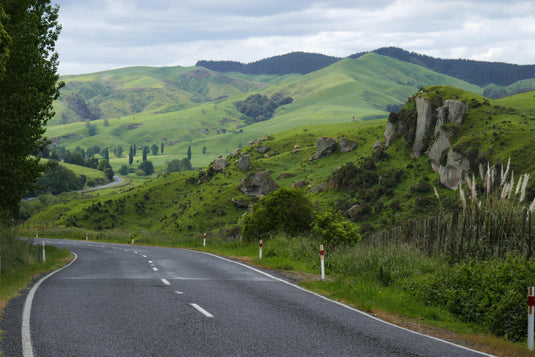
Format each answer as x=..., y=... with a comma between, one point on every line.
x=105, y=34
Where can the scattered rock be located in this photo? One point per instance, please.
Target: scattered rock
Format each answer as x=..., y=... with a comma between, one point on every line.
x=258, y=183
x=378, y=146
x=220, y=164
x=346, y=145
x=244, y=162
x=298, y=184
x=241, y=203
x=263, y=149
x=325, y=147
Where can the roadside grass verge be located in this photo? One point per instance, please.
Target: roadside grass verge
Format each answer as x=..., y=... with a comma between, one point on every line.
x=14, y=280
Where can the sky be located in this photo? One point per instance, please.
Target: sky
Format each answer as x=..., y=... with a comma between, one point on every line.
x=99, y=35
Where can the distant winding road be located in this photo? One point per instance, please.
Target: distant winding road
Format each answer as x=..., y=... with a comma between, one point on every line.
x=120, y=300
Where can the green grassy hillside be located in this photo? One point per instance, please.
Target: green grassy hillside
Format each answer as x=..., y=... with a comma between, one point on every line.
x=349, y=90
x=394, y=187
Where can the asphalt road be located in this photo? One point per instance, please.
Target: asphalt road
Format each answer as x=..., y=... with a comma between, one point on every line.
x=120, y=300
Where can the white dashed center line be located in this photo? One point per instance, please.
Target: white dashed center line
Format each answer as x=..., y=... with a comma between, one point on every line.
x=154, y=268
x=166, y=282
x=201, y=310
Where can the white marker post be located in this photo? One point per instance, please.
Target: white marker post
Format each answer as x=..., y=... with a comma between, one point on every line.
x=531, y=304
x=86, y=236
x=260, y=249
x=132, y=239
x=322, y=263
x=44, y=255
x=204, y=240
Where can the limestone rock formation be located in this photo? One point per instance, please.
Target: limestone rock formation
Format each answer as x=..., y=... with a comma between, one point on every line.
x=258, y=183
x=244, y=162
x=346, y=145
x=451, y=165
x=220, y=164
x=325, y=147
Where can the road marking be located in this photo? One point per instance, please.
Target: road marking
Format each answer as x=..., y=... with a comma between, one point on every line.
x=201, y=310
x=27, y=348
x=342, y=304
x=154, y=268
x=178, y=292
x=166, y=282
x=144, y=256
x=150, y=261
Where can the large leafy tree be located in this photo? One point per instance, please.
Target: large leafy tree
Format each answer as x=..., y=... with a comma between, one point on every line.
x=28, y=86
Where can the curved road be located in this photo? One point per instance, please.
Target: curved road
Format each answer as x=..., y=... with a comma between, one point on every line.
x=119, y=300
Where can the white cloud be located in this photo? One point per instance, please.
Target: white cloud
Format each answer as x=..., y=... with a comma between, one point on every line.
x=103, y=34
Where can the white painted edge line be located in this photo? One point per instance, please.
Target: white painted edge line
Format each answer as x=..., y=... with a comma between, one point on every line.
x=27, y=348
x=166, y=282
x=341, y=304
x=202, y=311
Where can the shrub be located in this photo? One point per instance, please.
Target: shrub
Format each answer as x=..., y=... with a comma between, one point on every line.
x=286, y=210
x=333, y=229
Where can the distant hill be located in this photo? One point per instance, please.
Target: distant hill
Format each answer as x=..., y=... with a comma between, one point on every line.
x=476, y=72
x=295, y=62
x=128, y=91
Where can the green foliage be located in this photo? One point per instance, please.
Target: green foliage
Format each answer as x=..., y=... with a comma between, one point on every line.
x=146, y=167
x=57, y=179
x=179, y=165
x=333, y=229
x=285, y=210
x=29, y=86
x=491, y=293
x=259, y=107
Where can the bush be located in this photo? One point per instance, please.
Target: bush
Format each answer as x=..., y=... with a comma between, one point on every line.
x=490, y=293
x=333, y=229
x=285, y=210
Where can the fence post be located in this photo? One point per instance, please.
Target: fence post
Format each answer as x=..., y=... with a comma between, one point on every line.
x=531, y=303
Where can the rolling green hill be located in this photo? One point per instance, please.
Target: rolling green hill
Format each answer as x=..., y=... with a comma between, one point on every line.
x=349, y=90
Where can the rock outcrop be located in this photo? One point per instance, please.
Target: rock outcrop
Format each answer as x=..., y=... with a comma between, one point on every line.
x=244, y=163
x=258, y=183
x=325, y=147
x=346, y=145
x=451, y=165
x=220, y=164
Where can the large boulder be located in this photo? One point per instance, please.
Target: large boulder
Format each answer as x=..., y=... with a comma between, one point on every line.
x=244, y=162
x=325, y=146
x=346, y=145
x=258, y=183
x=220, y=164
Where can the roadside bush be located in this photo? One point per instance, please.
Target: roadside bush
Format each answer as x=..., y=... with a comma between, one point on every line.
x=286, y=210
x=333, y=229
x=491, y=293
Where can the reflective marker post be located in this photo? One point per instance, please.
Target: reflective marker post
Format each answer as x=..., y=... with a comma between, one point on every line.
x=86, y=236
x=322, y=263
x=260, y=249
x=44, y=255
x=531, y=304
x=204, y=240
x=132, y=239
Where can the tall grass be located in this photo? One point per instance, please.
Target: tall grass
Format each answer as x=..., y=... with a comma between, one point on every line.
x=19, y=263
